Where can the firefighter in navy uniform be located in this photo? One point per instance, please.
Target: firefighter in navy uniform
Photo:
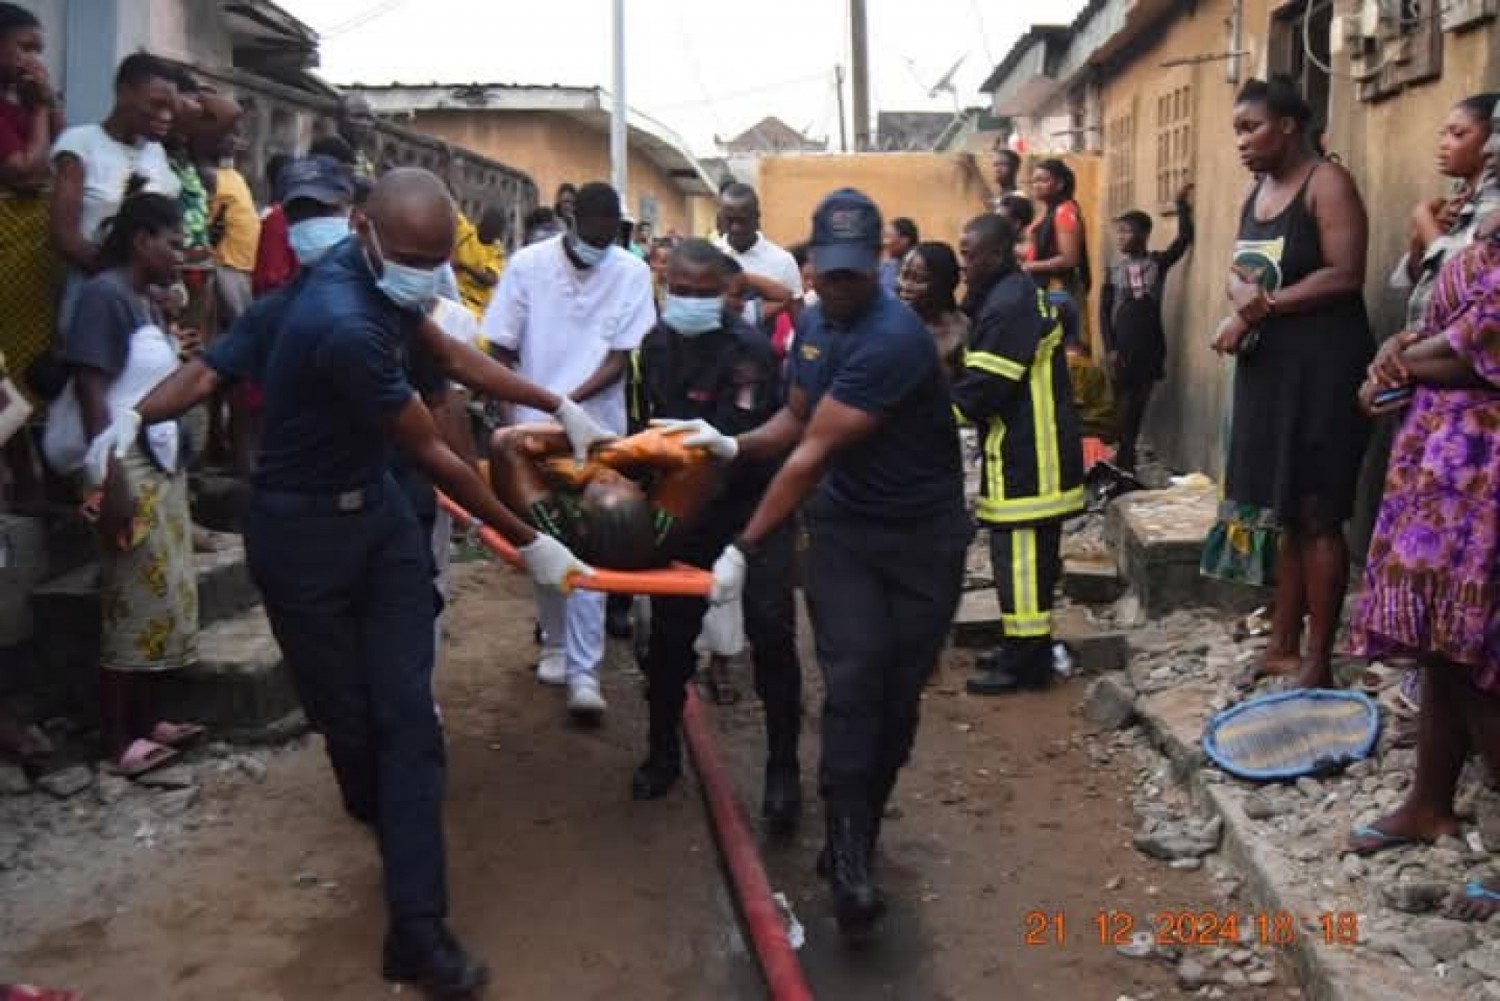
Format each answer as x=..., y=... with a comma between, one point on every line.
x=1015, y=390
x=701, y=362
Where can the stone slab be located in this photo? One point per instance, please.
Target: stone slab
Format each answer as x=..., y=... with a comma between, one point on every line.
x=1095, y=648
x=1175, y=717
x=1157, y=537
x=1092, y=580
x=239, y=689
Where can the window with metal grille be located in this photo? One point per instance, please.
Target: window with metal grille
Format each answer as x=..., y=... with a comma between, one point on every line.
x=1174, y=143
x=1119, y=155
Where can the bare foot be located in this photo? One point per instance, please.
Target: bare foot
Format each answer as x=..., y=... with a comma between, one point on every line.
x=1476, y=902
x=1314, y=675
x=1407, y=826
x=1272, y=664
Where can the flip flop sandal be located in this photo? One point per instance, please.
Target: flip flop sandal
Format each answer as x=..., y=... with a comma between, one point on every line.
x=175, y=734
x=1377, y=841
x=139, y=758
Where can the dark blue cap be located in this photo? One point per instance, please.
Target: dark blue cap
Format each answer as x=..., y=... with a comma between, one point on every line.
x=319, y=178
x=845, y=233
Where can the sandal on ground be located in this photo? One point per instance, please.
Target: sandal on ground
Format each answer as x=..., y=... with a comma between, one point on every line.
x=171, y=734
x=1477, y=903
x=139, y=758
x=1367, y=840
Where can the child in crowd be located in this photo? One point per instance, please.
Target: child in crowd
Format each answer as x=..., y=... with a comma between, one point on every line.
x=1135, y=343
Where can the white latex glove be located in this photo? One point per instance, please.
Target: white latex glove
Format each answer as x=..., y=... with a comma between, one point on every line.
x=701, y=434
x=551, y=563
x=113, y=442
x=583, y=431
x=729, y=576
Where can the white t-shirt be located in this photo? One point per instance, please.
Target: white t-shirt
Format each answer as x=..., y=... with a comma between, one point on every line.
x=563, y=321
x=767, y=260
x=107, y=166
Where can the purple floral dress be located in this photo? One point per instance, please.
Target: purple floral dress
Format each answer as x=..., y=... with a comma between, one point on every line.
x=1432, y=579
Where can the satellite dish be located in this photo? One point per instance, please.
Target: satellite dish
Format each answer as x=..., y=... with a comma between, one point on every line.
x=945, y=82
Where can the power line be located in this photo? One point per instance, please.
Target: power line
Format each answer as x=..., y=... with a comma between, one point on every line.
x=819, y=76
x=372, y=13
x=984, y=33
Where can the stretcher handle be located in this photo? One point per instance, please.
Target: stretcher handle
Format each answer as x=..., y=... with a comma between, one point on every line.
x=675, y=581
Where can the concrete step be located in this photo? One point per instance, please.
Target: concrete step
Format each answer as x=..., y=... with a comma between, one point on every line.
x=219, y=501
x=1157, y=537
x=1092, y=580
x=239, y=689
x=34, y=548
x=65, y=610
x=1096, y=649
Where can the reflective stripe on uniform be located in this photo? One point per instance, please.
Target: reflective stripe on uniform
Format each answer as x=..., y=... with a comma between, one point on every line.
x=993, y=364
x=999, y=511
x=1027, y=617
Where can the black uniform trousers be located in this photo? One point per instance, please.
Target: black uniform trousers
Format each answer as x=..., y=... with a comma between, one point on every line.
x=770, y=626
x=1027, y=563
x=350, y=599
x=882, y=598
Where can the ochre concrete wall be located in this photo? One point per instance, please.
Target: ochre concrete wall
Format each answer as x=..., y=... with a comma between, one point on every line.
x=940, y=192
x=1387, y=145
x=553, y=148
x=1187, y=421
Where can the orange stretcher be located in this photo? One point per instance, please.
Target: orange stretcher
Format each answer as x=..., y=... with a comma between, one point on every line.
x=676, y=581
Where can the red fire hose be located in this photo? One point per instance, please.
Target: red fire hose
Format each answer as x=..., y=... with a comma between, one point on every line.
x=778, y=961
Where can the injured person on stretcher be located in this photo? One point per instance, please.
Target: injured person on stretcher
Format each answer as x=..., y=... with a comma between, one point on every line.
x=623, y=509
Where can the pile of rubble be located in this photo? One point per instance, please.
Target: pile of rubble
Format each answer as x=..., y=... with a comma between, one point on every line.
x=1292, y=833
x=54, y=825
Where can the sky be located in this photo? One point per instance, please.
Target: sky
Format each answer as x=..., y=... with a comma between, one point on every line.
x=704, y=68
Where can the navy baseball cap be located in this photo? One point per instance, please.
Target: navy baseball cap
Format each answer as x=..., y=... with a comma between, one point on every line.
x=319, y=178
x=846, y=233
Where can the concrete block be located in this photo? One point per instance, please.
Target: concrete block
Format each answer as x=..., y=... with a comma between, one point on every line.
x=1157, y=537
x=224, y=585
x=239, y=688
x=1095, y=649
x=24, y=563
x=1093, y=581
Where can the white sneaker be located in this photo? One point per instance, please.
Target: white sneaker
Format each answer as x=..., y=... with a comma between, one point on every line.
x=552, y=669
x=585, y=702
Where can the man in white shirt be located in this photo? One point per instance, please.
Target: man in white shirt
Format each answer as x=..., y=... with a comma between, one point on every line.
x=570, y=310
x=772, y=277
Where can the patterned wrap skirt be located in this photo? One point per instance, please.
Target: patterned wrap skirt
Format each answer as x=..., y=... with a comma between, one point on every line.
x=148, y=594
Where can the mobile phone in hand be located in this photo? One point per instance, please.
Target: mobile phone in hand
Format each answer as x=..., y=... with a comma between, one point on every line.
x=1388, y=397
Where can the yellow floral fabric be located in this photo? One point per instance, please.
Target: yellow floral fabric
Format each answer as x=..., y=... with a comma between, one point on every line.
x=148, y=594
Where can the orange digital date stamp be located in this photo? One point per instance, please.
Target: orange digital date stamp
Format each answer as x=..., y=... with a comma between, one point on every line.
x=1187, y=928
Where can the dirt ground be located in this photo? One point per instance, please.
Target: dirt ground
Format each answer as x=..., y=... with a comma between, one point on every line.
x=572, y=891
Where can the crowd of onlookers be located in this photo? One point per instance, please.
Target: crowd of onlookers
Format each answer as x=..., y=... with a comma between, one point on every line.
x=131, y=244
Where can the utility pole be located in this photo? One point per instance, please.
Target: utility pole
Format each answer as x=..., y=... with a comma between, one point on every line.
x=860, y=49
x=618, y=155
x=838, y=89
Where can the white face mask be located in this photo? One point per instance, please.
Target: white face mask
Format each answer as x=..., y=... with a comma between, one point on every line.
x=408, y=287
x=311, y=239
x=587, y=254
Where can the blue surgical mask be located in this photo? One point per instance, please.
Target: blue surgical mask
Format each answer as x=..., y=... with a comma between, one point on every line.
x=311, y=239
x=588, y=255
x=691, y=316
x=408, y=287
